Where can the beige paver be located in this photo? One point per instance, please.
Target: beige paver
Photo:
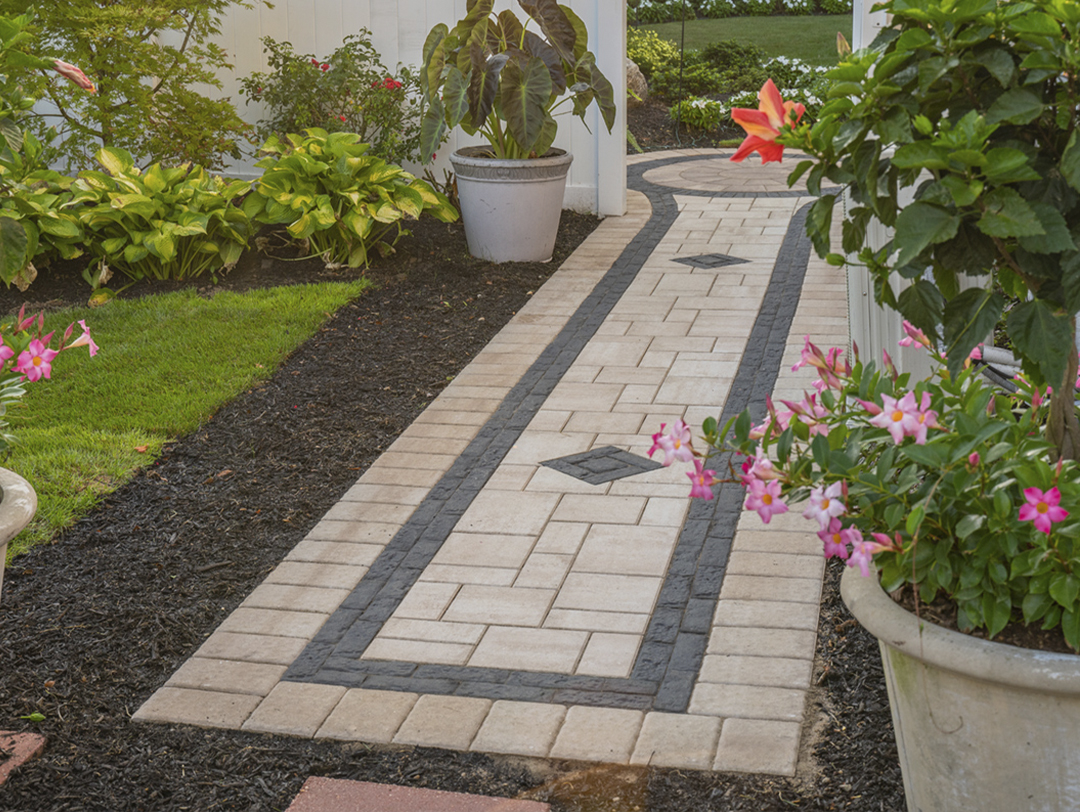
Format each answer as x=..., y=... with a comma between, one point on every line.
x=503, y=605
x=555, y=650
x=295, y=709
x=755, y=701
x=758, y=746
x=677, y=740
x=778, y=672
x=255, y=648
x=187, y=706
x=519, y=728
x=227, y=676
x=609, y=655
x=598, y=734
x=367, y=716
x=443, y=721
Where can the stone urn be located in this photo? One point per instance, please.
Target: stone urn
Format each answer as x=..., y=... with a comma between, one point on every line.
x=979, y=725
x=18, y=504
x=511, y=208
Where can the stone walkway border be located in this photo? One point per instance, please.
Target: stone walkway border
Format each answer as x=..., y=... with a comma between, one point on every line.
x=740, y=666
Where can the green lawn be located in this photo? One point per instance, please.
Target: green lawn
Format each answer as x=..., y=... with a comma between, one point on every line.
x=166, y=364
x=812, y=39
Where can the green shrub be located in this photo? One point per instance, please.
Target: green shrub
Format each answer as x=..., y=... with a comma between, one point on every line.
x=732, y=55
x=700, y=114
x=164, y=223
x=348, y=91
x=757, y=8
x=39, y=204
x=717, y=9
x=146, y=58
x=650, y=51
x=341, y=200
x=697, y=80
x=836, y=6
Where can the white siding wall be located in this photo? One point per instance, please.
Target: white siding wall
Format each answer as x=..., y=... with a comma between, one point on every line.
x=597, y=179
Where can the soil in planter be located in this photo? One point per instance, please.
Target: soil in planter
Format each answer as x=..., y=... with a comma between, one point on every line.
x=91, y=625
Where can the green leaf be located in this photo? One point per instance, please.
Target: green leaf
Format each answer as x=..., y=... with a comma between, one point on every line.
x=116, y=161
x=999, y=62
x=1057, y=237
x=968, y=525
x=1041, y=335
x=915, y=519
x=432, y=128
x=920, y=155
x=13, y=243
x=1008, y=165
x=525, y=91
x=455, y=98
x=1070, y=627
x=819, y=222
x=921, y=225
x=556, y=26
x=1065, y=588
x=1008, y=215
x=968, y=319
x=1034, y=606
x=1070, y=162
x=1016, y=106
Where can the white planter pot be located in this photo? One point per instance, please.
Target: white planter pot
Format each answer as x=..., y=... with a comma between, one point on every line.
x=979, y=725
x=18, y=504
x=511, y=209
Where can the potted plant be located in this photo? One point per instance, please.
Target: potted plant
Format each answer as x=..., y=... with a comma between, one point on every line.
x=494, y=76
x=957, y=493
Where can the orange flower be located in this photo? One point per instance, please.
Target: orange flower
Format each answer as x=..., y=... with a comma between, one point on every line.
x=74, y=74
x=763, y=125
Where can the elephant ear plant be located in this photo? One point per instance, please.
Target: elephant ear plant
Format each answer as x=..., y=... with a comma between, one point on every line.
x=971, y=107
x=493, y=76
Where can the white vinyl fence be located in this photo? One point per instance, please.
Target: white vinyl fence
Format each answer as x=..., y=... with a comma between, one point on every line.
x=597, y=181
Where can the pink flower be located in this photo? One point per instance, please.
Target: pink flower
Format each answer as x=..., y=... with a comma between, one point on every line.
x=702, y=481
x=6, y=353
x=755, y=469
x=862, y=552
x=324, y=67
x=914, y=336
x=883, y=542
x=84, y=340
x=925, y=417
x=974, y=459
x=826, y=504
x=764, y=497
x=834, y=540
x=900, y=417
x=1042, y=508
x=764, y=124
x=72, y=73
x=676, y=444
x=36, y=362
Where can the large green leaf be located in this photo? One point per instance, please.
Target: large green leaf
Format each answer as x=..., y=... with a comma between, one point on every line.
x=432, y=128
x=1070, y=162
x=921, y=225
x=1008, y=215
x=116, y=161
x=556, y=26
x=969, y=319
x=921, y=303
x=12, y=249
x=526, y=90
x=1016, y=106
x=484, y=78
x=538, y=47
x=1057, y=237
x=1043, y=335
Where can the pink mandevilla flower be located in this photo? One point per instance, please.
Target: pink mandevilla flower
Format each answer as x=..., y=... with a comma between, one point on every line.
x=764, y=497
x=73, y=74
x=862, y=551
x=1042, y=508
x=6, y=353
x=826, y=504
x=914, y=336
x=676, y=444
x=36, y=362
x=758, y=470
x=925, y=417
x=899, y=417
x=702, y=480
x=84, y=340
x=835, y=546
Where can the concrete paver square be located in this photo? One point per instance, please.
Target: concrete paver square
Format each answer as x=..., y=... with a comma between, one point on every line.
x=617, y=549
x=443, y=721
x=427, y=600
x=555, y=650
x=492, y=550
x=519, y=728
x=758, y=746
x=504, y=512
x=609, y=655
x=677, y=740
x=188, y=706
x=367, y=716
x=295, y=709
x=501, y=605
x=608, y=593
x=598, y=734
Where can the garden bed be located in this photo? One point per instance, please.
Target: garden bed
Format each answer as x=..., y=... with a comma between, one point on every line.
x=94, y=623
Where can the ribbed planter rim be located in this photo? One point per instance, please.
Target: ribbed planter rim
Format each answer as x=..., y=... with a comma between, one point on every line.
x=987, y=660
x=473, y=163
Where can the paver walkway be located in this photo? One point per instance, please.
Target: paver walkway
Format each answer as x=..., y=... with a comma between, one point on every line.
x=512, y=575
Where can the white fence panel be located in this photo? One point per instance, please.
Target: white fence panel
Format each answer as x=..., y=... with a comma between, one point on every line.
x=597, y=180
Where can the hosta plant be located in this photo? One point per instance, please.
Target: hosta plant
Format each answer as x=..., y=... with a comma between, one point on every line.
x=163, y=223
x=491, y=74
x=328, y=190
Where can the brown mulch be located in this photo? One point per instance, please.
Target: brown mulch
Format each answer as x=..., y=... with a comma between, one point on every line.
x=654, y=129
x=92, y=624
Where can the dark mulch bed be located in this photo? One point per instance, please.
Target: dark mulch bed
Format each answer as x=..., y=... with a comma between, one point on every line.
x=654, y=129
x=91, y=625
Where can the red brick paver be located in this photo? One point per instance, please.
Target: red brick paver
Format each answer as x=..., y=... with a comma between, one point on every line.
x=338, y=795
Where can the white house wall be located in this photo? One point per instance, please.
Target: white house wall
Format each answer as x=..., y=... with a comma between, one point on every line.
x=597, y=180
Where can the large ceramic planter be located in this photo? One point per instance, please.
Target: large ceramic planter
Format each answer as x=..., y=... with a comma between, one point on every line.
x=18, y=504
x=979, y=725
x=510, y=209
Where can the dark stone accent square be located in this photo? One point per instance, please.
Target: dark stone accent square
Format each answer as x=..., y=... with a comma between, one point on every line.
x=710, y=261
x=602, y=465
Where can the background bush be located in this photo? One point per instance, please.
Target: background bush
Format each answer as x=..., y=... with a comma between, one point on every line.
x=348, y=91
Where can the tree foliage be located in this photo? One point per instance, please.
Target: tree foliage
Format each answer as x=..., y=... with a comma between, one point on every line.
x=148, y=61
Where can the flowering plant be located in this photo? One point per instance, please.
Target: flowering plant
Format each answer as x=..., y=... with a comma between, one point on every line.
x=26, y=356
x=945, y=484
